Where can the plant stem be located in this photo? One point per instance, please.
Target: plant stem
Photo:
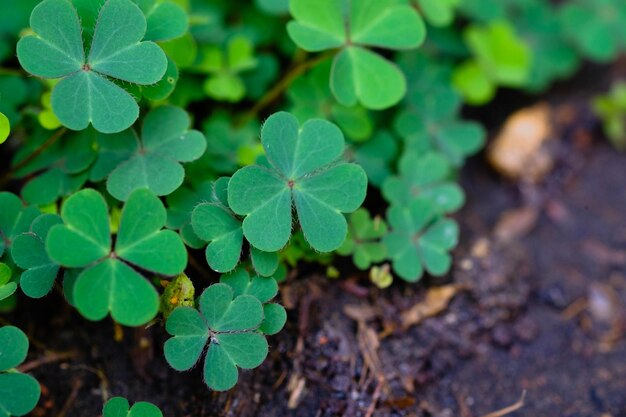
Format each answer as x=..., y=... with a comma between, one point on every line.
x=48, y=143
x=280, y=87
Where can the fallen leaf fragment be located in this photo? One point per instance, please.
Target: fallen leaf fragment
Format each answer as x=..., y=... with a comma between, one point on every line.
x=519, y=151
x=437, y=300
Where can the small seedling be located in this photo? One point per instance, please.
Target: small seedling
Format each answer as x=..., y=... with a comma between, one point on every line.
x=19, y=393
x=119, y=407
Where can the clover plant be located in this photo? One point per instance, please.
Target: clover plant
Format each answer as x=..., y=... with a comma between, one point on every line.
x=19, y=393
x=358, y=74
x=86, y=93
x=119, y=407
x=228, y=320
x=109, y=281
x=144, y=135
x=304, y=170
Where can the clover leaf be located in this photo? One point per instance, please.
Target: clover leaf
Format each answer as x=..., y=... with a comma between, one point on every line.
x=180, y=205
x=19, y=393
x=226, y=66
x=303, y=170
x=216, y=224
x=419, y=239
x=611, y=109
x=363, y=241
x=7, y=287
x=29, y=253
x=430, y=118
x=311, y=97
x=15, y=219
x=427, y=176
x=500, y=58
x=65, y=166
x=109, y=281
x=119, y=407
x=358, y=74
x=165, y=20
x=85, y=93
x=154, y=163
x=5, y=128
x=596, y=27
x=264, y=289
x=376, y=156
x=229, y=324
x=438, y=12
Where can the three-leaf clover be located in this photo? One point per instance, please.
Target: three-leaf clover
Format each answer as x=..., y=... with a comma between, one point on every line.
x=229, y=324
x=363, y=241
x=109, y=281
x=154, y=162
x=29, y=253
x=419, y=239
x=304, y=170
x=119, y=407
x=358, y=74
x=86, y=93
x=19, y=393
x=225, y=68
x=426, y=176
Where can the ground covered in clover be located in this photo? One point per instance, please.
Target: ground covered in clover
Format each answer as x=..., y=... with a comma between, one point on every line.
x=534, y=305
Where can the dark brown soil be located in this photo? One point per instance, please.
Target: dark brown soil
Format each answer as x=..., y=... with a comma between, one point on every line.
x=539, y=307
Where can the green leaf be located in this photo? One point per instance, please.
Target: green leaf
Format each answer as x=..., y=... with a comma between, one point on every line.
x=119, y=407
x=13, y=347
x=140, y=236
x=19, y=394
x=363, y=241
x=108, y=284
x=264, y=263
x=303, y=171
x=385, y=25
x=420, y=239
x=228, y=323
x=318, y=25
x=112, y=286
x=29, y=253
x=426, y=176
x=166, y=142
x=275, y=319
x=263, y=288
x=438, y=12
x=15, y=219
x=5, y=128
x=85, y=94
x=213, y=223
x=166, y=20
x=85, y=236
x=359, y=75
